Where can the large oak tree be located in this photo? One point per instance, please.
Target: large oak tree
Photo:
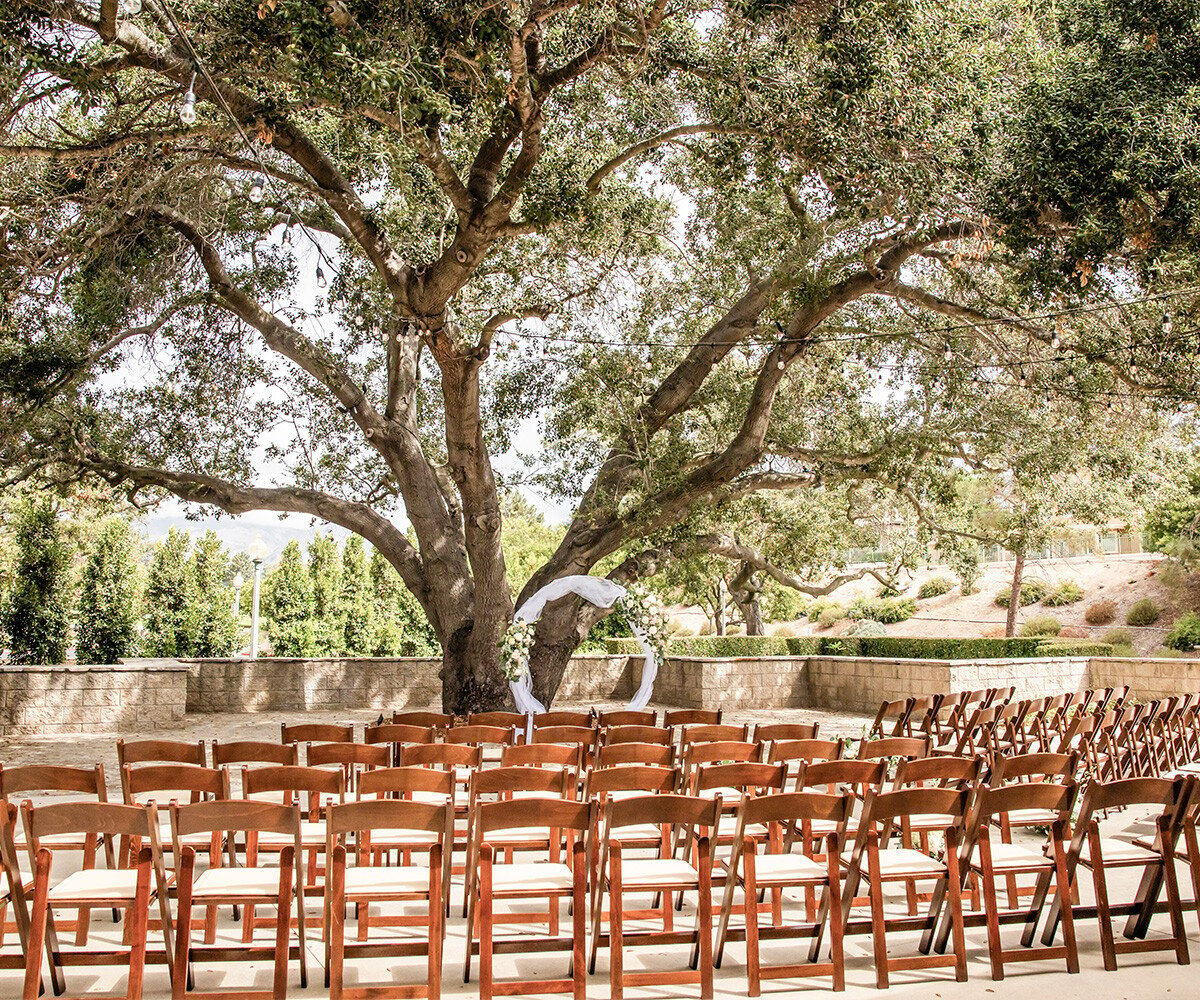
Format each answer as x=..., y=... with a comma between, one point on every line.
x=690, y=238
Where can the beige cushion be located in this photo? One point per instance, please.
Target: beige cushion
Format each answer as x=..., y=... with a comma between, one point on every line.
x=518, y=835
x=385, y=879
x=1032, y=817
x=896, y=861
x=312, y=834
x=96, y=883
x=383, y=839
x=236, y=882
x=1121, y=852
x=534, y=876
x=1006, y=856
x=657, y=871
x=783, y=868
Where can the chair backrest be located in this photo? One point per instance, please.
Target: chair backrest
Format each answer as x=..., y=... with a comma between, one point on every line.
x=315, y=732
x=777, y=732
x=602, y=782
x=432, y=720
x=403, y=781
x=692, y=717
x=659, y=754
x=883, y=807
x=443, y=755
x=799, y=806
x=351, y=757
x=233, y=816
x=52, y=778
x=254, y=752
x=715, y=734
x=503, y=781
x=636, y=734
x=890, y=711
x=296, y=782
x=151, y=781
x=1127, y=792
x=893, y=746
x=1046, y=795
x=628, y=717
x=564, y=718
x=835, y=775
x=940, y=772
x=551, y=814
x=745, y=777
x=100, y=818
x=810, y=750
x=1034, y=765
x=480, y=735
x=670, y=810
x=542, y=755
x=577, y=736
x=509, y=720
x=399, y=733
x=161, y=752
x=731, y=751
x=390, y=814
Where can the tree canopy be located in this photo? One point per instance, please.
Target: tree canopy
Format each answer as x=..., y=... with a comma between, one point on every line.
x=327, y=259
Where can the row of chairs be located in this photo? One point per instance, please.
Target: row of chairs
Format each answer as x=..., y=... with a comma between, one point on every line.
x=861, y=781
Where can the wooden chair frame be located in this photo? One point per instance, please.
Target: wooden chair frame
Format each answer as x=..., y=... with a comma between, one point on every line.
x=316, y=732
x=627, y=717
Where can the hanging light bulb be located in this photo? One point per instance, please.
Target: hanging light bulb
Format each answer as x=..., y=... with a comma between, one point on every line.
x=256, y=188
x=780, y=365
x=130, y=8
x=187, y=108
x=320, y=277
x=286, y=239
x=948, y=354
x=1022, y=381
x=1168, y=324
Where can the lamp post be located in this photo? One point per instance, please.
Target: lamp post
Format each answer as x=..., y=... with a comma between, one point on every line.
x=239, y=582
x=257, y=552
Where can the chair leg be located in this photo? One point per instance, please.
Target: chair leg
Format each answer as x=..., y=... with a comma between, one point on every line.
x=1062, y=886
x=1174, y=908
x=578, y=922
x=437, y=924
x=183, y=924
x=283, y=925
x=991, y=909
x=750, y=884
x=1103, y=914
x=616, y=922
x=335, y=924
x=485, y=922
x=138, y=917
x=878, y=929
x=833, y=893
x=37, y=927
x=954, y=894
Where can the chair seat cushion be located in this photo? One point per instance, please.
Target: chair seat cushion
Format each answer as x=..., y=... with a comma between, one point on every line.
x=518, y=835
x=96, y=883
x=431, y=798
x=236, y=882
x=897, y=862
x=1008, y=856
x=657, y=871
x=534, y=876
x=783, y=868
x=385, y=879
x=384, y=839
x=187, y=840
x=1032, y=817
x=312, y=834
x=1122, y=852
x=640, y=831
x=928, y=822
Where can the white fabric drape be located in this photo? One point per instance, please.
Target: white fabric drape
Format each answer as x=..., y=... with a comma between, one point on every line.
x=595, y=590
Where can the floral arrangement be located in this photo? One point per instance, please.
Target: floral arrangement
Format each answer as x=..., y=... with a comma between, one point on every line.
x=646, y=613
x=514, y=648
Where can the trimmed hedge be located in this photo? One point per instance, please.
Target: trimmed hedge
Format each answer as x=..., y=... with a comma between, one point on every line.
x=883, y=647
x=885, y=610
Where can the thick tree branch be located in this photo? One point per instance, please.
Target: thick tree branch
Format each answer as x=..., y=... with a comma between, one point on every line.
x=670, y=135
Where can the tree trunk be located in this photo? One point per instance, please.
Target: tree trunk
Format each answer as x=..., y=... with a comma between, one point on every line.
x=745, y=591
x=719, y=609
x=1014, y=595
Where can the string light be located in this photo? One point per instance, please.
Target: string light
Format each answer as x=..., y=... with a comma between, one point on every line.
x=948, y=354
x=256, y=188
x=286, y=238
x=1167, y=324
x=320, y=277
x=187, y=108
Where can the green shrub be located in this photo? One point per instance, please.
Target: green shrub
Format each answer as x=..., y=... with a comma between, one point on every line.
x=817, y=607
x=831, y=616
x=1124, y=651
x=1165, y=653
x=1118, y=637
x=1032, y=591
x=1100, y=612
x=1185, y=633
x=888, y=590
x=1142, y=613
x=930, y=648
x=36, y=614
x=935, y=586
x=867, y=628
x=1067, y=592
x=1073, y=647
x=1040, y=625
x=288, y=604
x=172, y=614
x=106, y=597
x=887, y=610
x=724, y=645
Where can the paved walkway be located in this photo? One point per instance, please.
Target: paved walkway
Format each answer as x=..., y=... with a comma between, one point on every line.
x=1140, y=978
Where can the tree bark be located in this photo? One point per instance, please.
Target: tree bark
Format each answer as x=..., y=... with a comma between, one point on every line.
x=1014, y=595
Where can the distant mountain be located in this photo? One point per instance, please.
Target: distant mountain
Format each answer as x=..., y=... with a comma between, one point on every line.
x=238, y=532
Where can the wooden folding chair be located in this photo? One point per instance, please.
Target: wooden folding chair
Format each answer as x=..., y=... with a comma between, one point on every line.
x=399, y=735
x=796, y=753
x=692, y=717
x=12, y=892
x=352, y=758
x=889, y=720
x=634, y=733
x=370, y=823
x=39, y=779
x=872, y=858
x=989, y=861
x=722, y=752
x=1155, y=859
x=507, y=720
x=778, y=869
x=129, y=889
x=315, y=732
x=557, y=755
x=560, y=821
x=617, y=876
x=714, y=734
x=627, y=717
x=894, y=747
x=431, y=786
x=254, y=752
x=247, y=886
x=136, y=752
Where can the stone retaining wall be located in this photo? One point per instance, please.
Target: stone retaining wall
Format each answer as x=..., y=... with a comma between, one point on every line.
x=61, y=700
x=286, y=685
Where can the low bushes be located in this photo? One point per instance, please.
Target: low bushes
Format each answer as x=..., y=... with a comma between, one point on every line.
x=1067, y=592
x=935, y=586
x=820, y=606
x=1100, y=612
x=830, y=616
x=1032, y=591
x=881, y=647
x=887, y=610
x=1119, y=637
x=1073, y=647
x=1041, y=625
x=1185, y=633
x=1142, y=613
x=867, y=628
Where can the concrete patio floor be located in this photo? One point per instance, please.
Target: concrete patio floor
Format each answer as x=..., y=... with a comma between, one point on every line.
x=1141, y=976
